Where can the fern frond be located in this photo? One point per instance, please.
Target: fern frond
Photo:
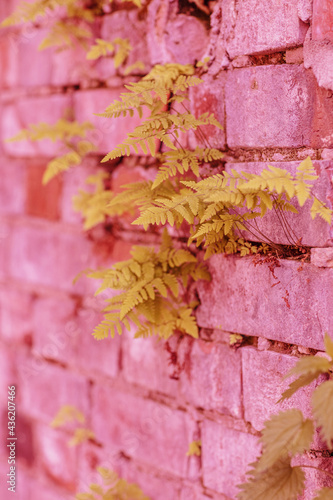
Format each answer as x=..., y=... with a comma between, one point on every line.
x=61, y=164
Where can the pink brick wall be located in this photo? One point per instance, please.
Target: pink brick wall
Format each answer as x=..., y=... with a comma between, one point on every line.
x=273, y=111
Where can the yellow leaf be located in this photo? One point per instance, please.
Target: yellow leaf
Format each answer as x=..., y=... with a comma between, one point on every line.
x=324, y=494
x=322, y=404
x=328, y=341
x=194, y=448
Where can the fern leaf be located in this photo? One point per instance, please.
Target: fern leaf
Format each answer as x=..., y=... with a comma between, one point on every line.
x=60, y=164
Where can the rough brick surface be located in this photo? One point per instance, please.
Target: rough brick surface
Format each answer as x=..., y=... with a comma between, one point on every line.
x=15, y=318
x=143, y=429
x=256, y=26
x=214, y=382
x=279, y=96
x=242, y=298
x=263, y=384
x=12, y=201
x=322, y=20
x=42, y=201
x=219, y=453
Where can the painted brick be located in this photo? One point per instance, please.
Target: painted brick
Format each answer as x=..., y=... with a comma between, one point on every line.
x=214, y=382
x=12, y=186
x=318, y=55
x=314, y=479
x=95, y=356
x=26, y=450
x=312, y=232
x=258, y=27
x=108, y=132
x=15, y=319
x=23, y=486
x=64, y=72
x=8, y=60
x=322, y=257
x=243, y=298
x=56, y=457
x=125, y=24
x=279, y=96
x=186, y=39
x=42, y=201
x=34, y=66
x=4, y=247
x=322, y=22
x=145, y=362
x=192, y=493
x=142, y=429
x=263, y=385
x=23, y=112
x=209, y=97
x=322, y=126
x=55, y=332
x=226, y=454
x=49, y=387
x=33, y=248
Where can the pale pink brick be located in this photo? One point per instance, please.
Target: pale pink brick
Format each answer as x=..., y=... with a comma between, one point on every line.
x=4, y=248
x=34, y=66
x=226, y=454
x=314, y=479
x=9, y=60
x=21, y=113
x=322, y=20
x=312, y=232
x=96, y=356
x=186, y=39
x=16, y=321
x=55, y=332
x=108, y=132
x=269, y=106
x=142, y=429
x=44, y=388
x=261, y=27
x=242, y=298
x=50, y=257
x=322, y=257
x=214, y=381
x=263, y=385
x=12, y=186
x=146, y=362
x=57, y=459
x=196, y=493
x=64, y=72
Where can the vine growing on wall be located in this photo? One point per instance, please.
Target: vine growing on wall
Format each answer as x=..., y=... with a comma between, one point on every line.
x=215, y=212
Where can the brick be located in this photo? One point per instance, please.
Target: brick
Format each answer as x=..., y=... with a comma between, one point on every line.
x=226, y=455
x=322, y=257
x=209, y=97
x=125, y=24
x=315, y=232
x=4, y=248
x=242, y=298
x=322, y=22
x=192, y=493
x=142, y=429
x=95, y=356
x=57, y=459
x=65, y=73
x=25, y=452
x=55, y=332
x=322, y=126
x=318, y=55
x=258, y=27
x=186, y=39
x=8, y=60
x=34, y=66
x=12, y=186
x=263, y=384
x=25, y=111
x=108, y=132
x=294, y=56
x=145, y=362
x=42, y=201
x=314, y=479
x=23, y=484
x=50, y=257
x=214, y=381
x=281, y=97
x=49, y=387
x=16, y=323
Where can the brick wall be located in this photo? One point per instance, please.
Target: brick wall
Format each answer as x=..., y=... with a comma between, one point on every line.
x=273, y=110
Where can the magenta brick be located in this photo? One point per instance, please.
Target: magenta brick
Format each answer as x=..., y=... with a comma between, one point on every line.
x=281, y=97
x=258, y=27
x=146, y=362
x=34, y=66
x=8, y=60
x=226, y=454
x=315, y=232
x=142, y=429
x=186, y=39
x=50, y=256
x=263, y=386
x=322, y=22
x=15, y=319
x=314, y=479
x=93, y=356
x=4, y=247
x=55, y=332
x=196, y=493
x=322, y=257
x=247, y=299
x=33, y=110
x=64, y=72
x=13, y=173
x=49, y=387
x=214, y=381
x=318, y=55
x=108, y=132
x=57, y=459
x=209, y=97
